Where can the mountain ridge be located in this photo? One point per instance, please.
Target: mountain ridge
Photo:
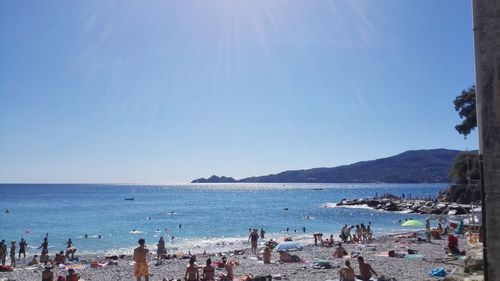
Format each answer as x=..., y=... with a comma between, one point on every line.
x=412, y=166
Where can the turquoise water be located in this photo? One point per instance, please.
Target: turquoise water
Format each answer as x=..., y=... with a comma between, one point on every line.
x=212, y=216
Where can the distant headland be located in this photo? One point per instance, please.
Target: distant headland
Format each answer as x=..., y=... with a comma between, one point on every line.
x=414, y=166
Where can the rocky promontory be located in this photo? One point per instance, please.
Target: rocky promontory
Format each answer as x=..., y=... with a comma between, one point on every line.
x=418, y=206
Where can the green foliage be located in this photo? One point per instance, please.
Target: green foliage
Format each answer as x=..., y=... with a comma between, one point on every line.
x=466, y=164
x=465, y=105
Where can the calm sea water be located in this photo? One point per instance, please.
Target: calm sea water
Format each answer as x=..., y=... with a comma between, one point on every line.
x=212, y=216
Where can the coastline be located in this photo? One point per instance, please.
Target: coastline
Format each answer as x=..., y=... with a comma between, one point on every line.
x=398, y=268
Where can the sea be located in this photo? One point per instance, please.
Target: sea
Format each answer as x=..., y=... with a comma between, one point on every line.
x=191, y=217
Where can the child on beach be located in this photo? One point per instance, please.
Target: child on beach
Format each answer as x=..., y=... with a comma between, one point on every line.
x=208, y=273
x=191, y=271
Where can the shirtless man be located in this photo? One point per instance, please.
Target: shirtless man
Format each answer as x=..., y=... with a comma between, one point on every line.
x=22, y=248
x=254, y=237
x=141, y=265
x=339, y=252
x=13, y=253
x=208, y=273
x=191, y=271
x=347, y=273
x=44, y=246
x=365, y=270
x=160, y=250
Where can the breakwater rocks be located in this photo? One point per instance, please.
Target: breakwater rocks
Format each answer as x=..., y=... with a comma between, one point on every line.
x=418, y=206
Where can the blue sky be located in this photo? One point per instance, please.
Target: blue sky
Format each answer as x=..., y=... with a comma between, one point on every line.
x=168, y=91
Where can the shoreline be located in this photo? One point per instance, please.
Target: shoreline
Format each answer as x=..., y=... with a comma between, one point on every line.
x=399, y=268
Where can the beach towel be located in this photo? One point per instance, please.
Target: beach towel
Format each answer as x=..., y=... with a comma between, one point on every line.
x=438, y=272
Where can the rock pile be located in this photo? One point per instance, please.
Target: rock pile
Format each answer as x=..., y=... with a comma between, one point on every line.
x=392, y=203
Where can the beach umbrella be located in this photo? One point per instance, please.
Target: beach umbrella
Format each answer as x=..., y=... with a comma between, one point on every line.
x=288, y=246
x=412, y=223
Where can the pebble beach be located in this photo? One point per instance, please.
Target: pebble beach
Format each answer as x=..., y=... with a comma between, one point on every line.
x=412, y=268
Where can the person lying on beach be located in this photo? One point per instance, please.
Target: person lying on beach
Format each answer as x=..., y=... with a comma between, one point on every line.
x=208, y=273
x=286, y=257
x=339, y=251
x=365, y=270
x=267, y=255
x=229, y=266
x=33, y=261
x=141, y=264
x=191, y=271
x=347, y=273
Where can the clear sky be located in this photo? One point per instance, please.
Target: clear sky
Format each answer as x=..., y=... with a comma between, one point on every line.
x=168, y=91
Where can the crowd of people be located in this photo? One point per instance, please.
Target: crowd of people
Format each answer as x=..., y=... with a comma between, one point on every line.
x=47, y=275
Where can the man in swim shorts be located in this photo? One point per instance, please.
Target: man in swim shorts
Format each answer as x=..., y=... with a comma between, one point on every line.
x=254, y=237
x=141, y=264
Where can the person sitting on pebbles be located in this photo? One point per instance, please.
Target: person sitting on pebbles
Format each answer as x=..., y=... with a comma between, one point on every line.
x=208, y=273
x=347, y=273
x=229, y=266
x=339, y=252
x=191, y=271
x=267, y=255
x=365, y=270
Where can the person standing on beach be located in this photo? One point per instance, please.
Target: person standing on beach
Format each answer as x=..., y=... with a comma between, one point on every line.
x=254, y=237
x=161, y=249
x=13, y=253
x=262, y=233
x=69, y=249
x=191, y=271
x=44, y=246
x=141, y=264
x=365, y=270
x=3, y=252
x=22, y=248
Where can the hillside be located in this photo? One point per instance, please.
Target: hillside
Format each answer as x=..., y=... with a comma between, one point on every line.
x=414, y=166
